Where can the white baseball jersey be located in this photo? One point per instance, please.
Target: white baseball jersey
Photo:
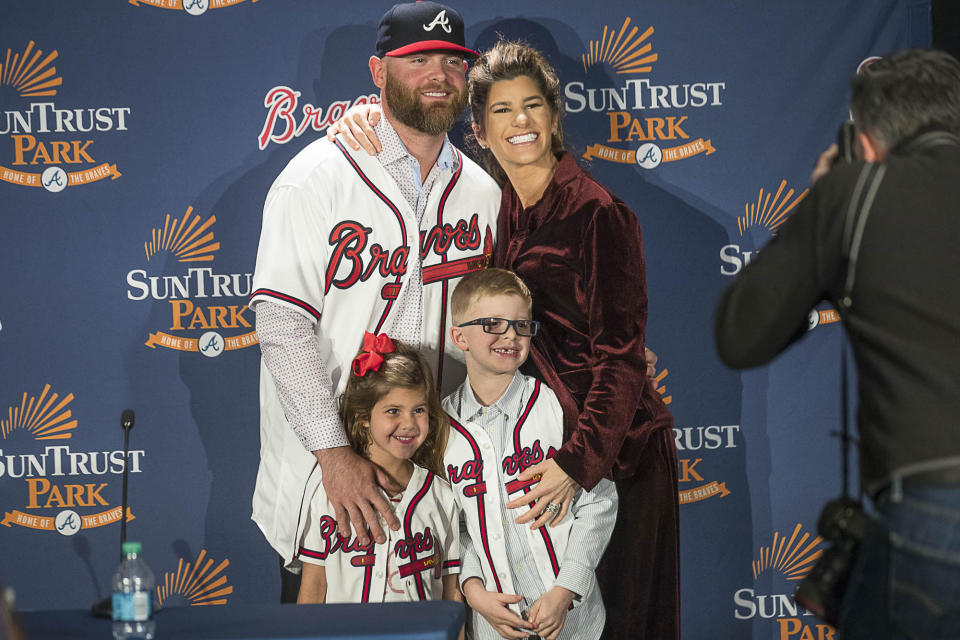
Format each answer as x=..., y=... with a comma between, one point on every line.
x=476, y=472
x=334, y=244
x=408, y=566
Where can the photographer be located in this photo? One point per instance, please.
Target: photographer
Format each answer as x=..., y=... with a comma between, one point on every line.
x=879, y=237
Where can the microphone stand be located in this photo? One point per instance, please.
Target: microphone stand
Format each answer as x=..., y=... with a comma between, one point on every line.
x=104, y=608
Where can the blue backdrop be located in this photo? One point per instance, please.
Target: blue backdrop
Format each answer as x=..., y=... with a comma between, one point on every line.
x=137, y=142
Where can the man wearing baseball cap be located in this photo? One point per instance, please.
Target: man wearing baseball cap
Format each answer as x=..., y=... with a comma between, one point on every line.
x=353, y=243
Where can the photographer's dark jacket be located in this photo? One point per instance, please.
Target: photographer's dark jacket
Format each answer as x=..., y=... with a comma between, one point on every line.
x=904, y=324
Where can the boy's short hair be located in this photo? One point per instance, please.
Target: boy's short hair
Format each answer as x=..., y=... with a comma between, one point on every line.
x=487, y=282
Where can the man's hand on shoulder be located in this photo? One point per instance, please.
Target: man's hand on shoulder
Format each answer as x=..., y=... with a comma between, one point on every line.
x=352, y=484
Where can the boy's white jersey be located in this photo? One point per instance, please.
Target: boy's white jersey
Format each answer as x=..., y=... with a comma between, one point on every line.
x=408, y=566
x=334, y=246
x=475, y=474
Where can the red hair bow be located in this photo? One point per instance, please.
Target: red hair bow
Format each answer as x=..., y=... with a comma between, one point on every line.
x=374, y=347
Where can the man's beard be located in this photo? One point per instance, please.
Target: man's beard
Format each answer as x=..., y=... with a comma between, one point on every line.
x=406, y=106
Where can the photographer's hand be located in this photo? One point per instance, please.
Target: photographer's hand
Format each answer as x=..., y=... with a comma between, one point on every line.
x=824, y=162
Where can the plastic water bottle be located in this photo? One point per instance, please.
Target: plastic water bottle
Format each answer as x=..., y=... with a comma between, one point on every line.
x=133, y=596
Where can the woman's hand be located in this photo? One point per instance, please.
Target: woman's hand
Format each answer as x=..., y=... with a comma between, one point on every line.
x=356, y=128
x=550, y=612
x=651, y=359
x=555, y=487
x=494, y=608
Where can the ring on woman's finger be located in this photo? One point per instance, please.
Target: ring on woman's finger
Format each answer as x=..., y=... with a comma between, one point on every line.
x=552, y=507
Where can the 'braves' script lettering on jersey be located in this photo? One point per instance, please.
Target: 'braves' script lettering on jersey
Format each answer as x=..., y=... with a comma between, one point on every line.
x=349, y=239
x=472, y=470
x=334, y=542
x=420, y=542
x=463, y=236
x=527, y=457
x=349, y=242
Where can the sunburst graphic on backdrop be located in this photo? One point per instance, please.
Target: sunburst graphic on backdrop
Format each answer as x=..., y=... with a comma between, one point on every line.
x=624, y=52
x=184, y=238
x=198, y=583
x=771, y=211
x=662, y=389
x=43, y=416
x=793, y=558
x=30, y=75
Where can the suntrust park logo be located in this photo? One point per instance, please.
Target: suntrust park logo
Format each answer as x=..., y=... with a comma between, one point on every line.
x=193, y=7
x=57, y=480
x=204, y=304
x=51, y=146
x=789, y=558
x=650, y=119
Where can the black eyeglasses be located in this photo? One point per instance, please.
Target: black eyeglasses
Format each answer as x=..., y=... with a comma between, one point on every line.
x=499, y=326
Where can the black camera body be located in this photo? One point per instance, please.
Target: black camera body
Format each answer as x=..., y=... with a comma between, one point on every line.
x=846, y=142
x=844, y=524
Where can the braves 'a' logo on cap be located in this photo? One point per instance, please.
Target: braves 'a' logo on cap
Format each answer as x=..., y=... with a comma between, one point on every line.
x=441, y=20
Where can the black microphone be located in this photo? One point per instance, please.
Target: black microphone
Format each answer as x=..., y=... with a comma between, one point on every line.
x=104, y=608
x=126, y=422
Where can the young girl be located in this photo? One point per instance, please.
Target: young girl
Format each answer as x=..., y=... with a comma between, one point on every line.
x=392, y=416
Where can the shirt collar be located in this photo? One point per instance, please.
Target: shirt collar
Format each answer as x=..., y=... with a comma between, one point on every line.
x=508, y=403
x=394, y=149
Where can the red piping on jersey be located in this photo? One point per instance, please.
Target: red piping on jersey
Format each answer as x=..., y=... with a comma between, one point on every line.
x=393, y=207
x=270, y=293
x=480, y=510
x=407, y=528
x=367, y=581
x=554, y=563
x=443, y=259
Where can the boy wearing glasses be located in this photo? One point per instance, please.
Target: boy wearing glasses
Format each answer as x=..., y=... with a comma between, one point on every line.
x=516, y=579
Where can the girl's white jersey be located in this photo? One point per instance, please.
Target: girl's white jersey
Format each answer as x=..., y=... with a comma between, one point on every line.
x=408, y=566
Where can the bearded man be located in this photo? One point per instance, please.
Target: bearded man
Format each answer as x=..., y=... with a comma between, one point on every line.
x=352, y=243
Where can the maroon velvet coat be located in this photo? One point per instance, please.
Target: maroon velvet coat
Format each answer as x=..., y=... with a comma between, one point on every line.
x=580, y=251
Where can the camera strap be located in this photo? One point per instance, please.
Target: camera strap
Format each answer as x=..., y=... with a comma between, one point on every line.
x=861, y=202
x=864, y=193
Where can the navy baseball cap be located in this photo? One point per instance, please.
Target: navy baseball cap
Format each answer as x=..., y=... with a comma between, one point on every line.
x=421, y=26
